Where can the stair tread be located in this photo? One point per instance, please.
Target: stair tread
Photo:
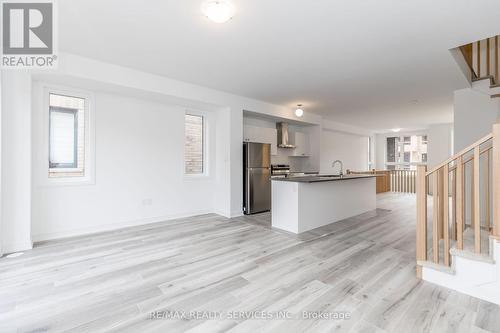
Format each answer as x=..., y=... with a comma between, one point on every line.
x=437, y=267
x=472, y=255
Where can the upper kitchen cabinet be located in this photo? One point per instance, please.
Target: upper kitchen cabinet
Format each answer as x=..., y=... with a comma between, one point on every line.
x=302, y=148
x=251, y=133
x=261, y=135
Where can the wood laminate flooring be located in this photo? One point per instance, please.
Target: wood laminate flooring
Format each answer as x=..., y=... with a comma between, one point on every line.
x=126, y=280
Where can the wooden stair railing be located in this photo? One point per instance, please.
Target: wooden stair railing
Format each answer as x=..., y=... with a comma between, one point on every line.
x=401, y=181
x=446, y=183
x=483, y=58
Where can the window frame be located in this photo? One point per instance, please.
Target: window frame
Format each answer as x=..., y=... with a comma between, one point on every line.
x=205, y=138
x=45, y=90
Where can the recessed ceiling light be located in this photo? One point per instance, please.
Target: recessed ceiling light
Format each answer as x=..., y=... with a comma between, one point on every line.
x=299, y=112
x=219, y=11
x=396, y=130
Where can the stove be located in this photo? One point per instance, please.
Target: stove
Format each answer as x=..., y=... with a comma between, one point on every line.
x=280, y=170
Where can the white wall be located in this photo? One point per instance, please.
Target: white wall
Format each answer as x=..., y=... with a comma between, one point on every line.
x=235, y=167
x=440, y=146
x=150, y=93
x=1, y=231
x=98, y=74
x=222, y=189
x=474, y=115
x=380, y=148
x=16, y=161
x=475, y=112
x=373, y=151
x=139, y=157
x=117, y=197
x=312, y=164
x=351, y=149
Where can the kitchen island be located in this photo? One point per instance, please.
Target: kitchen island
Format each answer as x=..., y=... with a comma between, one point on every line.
x=301, y=204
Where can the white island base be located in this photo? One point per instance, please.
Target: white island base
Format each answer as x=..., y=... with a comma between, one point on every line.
x=300, y=205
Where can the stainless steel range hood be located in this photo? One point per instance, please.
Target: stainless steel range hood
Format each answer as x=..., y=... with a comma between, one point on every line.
x=283, y=137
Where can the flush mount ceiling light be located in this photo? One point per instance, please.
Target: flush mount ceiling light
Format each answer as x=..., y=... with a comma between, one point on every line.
x=396, y=130
x=299, y=112
x=219, y=11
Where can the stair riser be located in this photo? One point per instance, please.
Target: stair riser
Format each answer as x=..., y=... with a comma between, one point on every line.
x=484, y=86
x=476, y=278
x=494, y=91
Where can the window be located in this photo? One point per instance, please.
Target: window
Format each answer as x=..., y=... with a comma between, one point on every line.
x=392, y=144
x=63, y=137
x=194, y=163
x=406, y=152
x=66, y=136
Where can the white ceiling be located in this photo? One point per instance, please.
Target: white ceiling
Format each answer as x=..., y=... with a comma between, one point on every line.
x=359, y=62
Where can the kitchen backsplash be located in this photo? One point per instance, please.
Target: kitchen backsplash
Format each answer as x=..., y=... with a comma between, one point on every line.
x=296, y=163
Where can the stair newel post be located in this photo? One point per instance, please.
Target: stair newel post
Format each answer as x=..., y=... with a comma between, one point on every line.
x=496, y=180
x=421, y=216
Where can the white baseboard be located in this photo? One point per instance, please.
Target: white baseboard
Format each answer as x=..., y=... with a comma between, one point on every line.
x=236, y=214
x=230, y=215
x=222, y=213
x=15, y=247
x=113, y=226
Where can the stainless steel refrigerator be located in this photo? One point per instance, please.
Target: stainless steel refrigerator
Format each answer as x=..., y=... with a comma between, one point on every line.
x=256, y=177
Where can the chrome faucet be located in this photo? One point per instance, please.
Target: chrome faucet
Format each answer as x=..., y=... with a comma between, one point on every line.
x=341, y=166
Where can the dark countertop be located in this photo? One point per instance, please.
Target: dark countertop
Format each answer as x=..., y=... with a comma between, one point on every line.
x=321, y=178
x=306, y=172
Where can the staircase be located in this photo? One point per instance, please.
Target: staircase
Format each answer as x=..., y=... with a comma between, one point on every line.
x=483, y=60
x=484, y=85
x=469, y=273
x=458, y=220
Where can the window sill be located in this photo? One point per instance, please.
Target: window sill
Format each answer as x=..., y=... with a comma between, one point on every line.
x=69, y=181
x=197, y=177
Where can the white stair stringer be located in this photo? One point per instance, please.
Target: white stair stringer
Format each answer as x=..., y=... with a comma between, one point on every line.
x=484, y=86
x=469, y=274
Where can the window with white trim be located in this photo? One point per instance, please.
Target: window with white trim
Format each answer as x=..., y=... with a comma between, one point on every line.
x=194, y=145
x=406, y=152
x=67, y=127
